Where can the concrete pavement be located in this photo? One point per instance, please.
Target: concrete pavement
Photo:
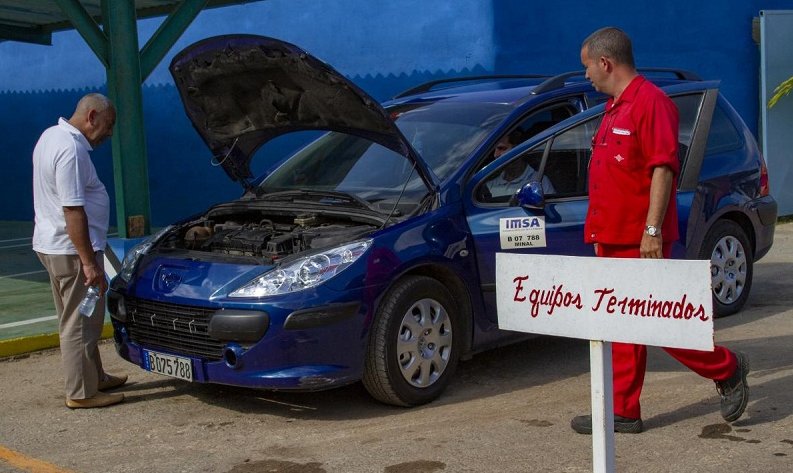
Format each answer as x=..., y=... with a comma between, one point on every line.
x=507, y=410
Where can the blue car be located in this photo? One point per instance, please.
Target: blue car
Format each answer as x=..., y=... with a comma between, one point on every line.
x=370, y=253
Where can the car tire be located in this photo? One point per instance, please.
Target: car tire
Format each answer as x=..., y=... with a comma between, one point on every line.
x=412, y=351
x=731, y=266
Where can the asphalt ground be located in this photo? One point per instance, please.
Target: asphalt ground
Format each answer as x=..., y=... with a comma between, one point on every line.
x=506, y=410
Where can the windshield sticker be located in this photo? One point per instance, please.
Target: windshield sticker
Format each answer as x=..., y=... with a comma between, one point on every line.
x=522, y=232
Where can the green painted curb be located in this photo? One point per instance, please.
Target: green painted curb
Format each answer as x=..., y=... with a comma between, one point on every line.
x=21, y=345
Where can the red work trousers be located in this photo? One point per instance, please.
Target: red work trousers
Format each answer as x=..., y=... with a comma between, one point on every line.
x=629, y=361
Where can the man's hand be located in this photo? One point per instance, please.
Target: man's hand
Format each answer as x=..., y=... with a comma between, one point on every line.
x=651, y=247
x=95, y=276
x=660, y=188
x=77, y=228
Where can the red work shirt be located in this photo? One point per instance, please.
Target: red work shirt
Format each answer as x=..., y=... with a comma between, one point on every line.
x=638, y=133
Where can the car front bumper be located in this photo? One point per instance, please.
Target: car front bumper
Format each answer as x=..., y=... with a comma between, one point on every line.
x=279, y=347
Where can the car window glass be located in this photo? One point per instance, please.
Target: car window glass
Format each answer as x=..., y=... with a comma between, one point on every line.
x=595, y=98
x=723, y=134
x=346, y=163
x=567, y=166
x=688, y=110
x=547, y=117
x=274, y=152
x=501, y=185
x=565, y=172
x=535, y=123
x=444, y=134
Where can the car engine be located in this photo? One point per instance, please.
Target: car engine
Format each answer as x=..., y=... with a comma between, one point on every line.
x=266, y=238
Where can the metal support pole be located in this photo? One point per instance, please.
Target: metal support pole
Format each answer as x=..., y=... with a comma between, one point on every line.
x=87, y=28
x=602, y=407
x=126, y=68
x=166, y=35
x=129, y=142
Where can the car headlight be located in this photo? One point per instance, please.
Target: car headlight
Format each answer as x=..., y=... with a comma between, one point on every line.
x=305, y=272
x=133, y=256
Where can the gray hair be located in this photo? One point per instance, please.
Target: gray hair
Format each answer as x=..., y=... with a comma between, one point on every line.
x=612, y=43
x=93, y=101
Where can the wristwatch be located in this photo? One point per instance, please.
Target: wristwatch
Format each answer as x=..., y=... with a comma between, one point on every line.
x=652, y=230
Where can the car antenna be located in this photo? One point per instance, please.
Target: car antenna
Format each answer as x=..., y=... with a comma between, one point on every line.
x=393, y=210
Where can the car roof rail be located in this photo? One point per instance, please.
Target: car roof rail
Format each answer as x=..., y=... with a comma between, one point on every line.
x=427, y=86
x=681, y=74
x=555, y=82
x=559, y=80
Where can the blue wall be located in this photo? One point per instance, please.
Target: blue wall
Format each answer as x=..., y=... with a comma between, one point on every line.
x=384, y=47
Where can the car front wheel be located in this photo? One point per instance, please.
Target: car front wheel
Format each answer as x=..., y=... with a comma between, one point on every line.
x=730, y=254
x=412, y=350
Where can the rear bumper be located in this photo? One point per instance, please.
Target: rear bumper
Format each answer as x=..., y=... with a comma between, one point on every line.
x=766, y=211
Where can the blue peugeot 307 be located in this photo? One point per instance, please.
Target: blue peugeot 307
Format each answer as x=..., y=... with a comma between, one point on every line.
x=370, y=253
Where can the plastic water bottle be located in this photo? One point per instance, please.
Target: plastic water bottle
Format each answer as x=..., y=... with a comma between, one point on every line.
x=88, y=303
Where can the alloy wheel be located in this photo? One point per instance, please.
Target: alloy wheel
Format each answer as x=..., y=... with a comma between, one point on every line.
x=424, y=343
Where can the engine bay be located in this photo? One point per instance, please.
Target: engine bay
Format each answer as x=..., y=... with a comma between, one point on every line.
x=250, y=235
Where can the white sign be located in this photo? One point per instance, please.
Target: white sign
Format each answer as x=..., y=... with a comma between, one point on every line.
x=522, y=232
x=659, y=302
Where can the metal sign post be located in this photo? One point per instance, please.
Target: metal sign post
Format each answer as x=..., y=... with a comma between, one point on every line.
x=602, y=406
x=606, y=300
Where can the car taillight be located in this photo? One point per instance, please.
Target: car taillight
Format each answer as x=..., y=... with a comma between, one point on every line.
x=764, y=189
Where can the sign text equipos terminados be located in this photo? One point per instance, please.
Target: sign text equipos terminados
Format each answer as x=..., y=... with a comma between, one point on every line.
x=646, y=301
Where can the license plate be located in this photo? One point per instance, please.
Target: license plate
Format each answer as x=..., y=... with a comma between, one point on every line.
x=169, y=365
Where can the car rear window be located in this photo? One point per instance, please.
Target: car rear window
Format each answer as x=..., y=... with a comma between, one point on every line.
x=723, y=134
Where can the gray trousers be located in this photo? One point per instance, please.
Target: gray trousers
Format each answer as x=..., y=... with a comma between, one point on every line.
x=79, y=335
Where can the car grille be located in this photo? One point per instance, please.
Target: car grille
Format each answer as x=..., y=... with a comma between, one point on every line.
x=180, y=329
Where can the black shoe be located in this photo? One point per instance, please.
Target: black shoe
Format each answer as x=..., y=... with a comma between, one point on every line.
x=623, y=425
x=734, y=391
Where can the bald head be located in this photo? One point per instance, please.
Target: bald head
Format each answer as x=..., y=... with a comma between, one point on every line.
x=612, y=43
x=97, y=102
x=95, y=117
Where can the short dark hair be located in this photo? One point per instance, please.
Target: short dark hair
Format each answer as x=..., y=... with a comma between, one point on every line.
x=612, y=43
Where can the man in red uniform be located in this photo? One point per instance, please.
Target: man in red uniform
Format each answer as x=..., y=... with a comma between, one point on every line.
x=633, y=214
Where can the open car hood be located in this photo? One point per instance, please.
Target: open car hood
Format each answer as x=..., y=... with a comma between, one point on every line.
x=241, y=91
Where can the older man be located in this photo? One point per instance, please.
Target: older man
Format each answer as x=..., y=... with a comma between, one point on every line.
x=72, y=214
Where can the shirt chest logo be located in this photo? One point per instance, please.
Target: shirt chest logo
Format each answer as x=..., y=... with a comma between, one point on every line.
x=619, y=158
x=621, y=131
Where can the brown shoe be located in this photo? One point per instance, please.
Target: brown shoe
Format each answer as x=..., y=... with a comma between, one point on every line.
x=99, y=400
x=111, y=382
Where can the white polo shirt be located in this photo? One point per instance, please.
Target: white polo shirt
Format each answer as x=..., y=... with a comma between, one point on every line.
x=64, y=176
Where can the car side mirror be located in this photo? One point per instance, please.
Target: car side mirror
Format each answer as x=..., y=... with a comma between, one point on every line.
x=530, y=196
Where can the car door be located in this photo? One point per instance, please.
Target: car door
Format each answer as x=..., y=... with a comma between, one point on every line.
x=561, y=155
x=695, y=103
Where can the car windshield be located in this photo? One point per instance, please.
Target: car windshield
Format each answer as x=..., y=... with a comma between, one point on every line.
x=444, y=134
